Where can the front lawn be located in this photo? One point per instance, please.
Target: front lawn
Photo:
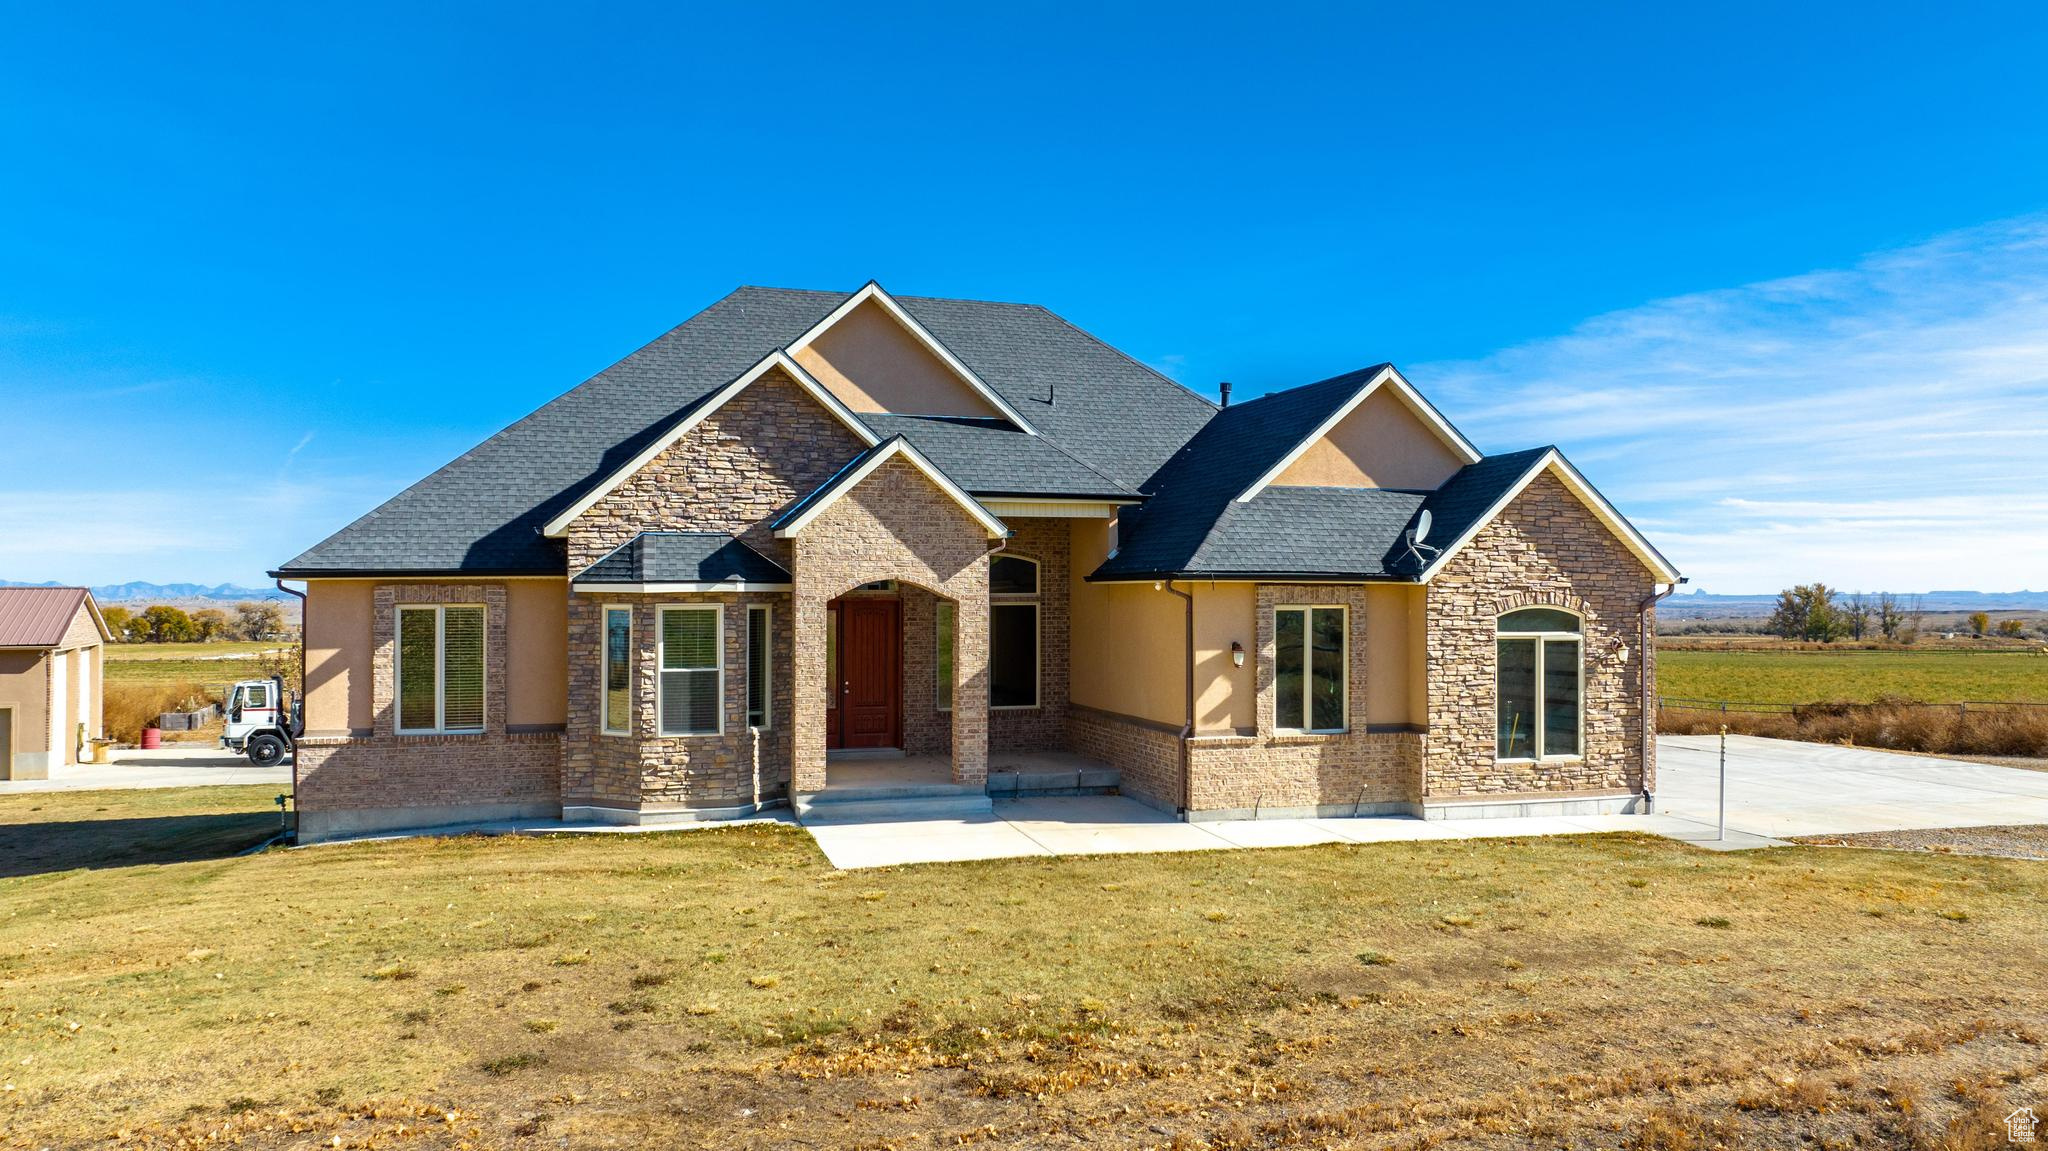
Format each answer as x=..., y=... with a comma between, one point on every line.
x=727, y=987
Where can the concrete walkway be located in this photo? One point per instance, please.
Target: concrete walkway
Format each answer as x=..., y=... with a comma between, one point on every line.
x=1778, y=787
x=1116, y=825
x=198, y=766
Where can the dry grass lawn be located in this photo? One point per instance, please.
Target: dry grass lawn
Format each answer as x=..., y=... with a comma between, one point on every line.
x=727, y=988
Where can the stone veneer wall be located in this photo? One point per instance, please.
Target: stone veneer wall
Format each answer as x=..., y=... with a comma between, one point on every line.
x=769, y=446
x=1274, y=770
x=1145, y=751
x=735, y=472
x=348, y=784
x=895, y=524
x=643, y=768
x=1546, y=549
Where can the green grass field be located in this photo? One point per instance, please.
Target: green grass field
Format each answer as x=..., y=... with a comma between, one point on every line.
x=182, y=663
x=1858, y=676
x=728, y=988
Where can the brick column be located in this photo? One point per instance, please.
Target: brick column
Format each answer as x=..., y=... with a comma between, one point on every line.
x=807, y=710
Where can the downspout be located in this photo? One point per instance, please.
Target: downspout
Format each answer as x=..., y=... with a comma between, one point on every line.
x=301, y=725
x=1643, y=641
x=1187, y=787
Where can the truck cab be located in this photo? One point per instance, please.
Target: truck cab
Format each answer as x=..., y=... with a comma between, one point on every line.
x=262, y=721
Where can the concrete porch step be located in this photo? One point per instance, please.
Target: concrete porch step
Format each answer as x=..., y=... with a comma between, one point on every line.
x=1078, y=781
x=892, y=802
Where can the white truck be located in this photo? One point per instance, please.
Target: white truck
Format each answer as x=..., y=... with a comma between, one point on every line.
x=263, y=721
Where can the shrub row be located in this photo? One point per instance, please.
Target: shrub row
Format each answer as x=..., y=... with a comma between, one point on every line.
x=1899, y=725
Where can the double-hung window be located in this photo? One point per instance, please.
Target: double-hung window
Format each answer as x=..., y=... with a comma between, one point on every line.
x=618, y=670
x=1539, y=681
x=440, y=669
x=692, y=670
x=1309, y=658
x=760, y=643
x=1012, y=632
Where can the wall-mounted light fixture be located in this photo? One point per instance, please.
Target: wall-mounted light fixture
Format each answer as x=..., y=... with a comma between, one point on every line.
x=1236, y=654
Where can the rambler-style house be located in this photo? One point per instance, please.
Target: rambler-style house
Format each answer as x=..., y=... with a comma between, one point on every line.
x=809, y=546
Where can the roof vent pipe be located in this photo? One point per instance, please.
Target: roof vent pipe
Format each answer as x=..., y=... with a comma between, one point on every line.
x=1226, y=393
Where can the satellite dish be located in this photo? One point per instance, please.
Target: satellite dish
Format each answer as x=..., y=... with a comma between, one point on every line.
x=1422, y=523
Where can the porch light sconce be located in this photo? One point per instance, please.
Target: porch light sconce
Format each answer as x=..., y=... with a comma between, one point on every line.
x=1620, y=651
x=1236, y=654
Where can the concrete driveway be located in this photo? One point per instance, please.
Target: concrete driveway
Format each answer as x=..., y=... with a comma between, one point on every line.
x=165, y=767
x=1778, y=788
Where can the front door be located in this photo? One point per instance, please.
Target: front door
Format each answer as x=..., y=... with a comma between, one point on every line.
x=6, y=743
x=871, y=666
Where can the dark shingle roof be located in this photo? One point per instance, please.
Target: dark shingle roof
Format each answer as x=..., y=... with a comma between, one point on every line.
x=1199, y=485
x=483, y=512
x=996, y=459
x=1313, y=532
x=684, y=557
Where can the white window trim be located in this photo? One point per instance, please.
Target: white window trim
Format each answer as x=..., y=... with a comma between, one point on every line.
x=604, y=694
x=440, y=727
x=946, y=708
x=661, y=666
x=1542, y=639
x=1016, y=599
x=1308, y=666
x=767, y=666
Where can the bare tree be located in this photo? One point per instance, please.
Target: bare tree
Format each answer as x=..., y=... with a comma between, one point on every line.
x=1854, y=615
x=1891, y=616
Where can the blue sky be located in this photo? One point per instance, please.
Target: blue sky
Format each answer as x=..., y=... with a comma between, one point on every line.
x=1777, y=281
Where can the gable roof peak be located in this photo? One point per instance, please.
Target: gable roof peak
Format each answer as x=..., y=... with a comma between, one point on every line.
x=1347, y=392
x=873, y=292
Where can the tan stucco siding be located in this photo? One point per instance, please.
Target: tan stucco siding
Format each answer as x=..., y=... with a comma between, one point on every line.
x=24, y=687
x=537, y=652
x=337, y=636
x=1395, y=616
x=1226, y=696
x=1381, y=444
x=873, y=364
x=340, y=653
x=1129, y=641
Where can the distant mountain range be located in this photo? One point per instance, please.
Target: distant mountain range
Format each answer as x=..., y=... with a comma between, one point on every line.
x=164, y=592
x=1701, y=604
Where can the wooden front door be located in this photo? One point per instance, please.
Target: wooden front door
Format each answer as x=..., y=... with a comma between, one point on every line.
x=871, y=670
x=6, y=743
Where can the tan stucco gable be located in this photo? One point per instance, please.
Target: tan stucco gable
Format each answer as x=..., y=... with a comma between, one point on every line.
x=1382, y=443
x=873, y=364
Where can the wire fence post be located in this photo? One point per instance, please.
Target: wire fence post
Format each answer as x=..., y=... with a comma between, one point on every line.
x=1723, y=822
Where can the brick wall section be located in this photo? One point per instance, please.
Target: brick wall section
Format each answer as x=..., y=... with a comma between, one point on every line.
x=1043, y=728
x=645, y=768
x=926, y=729
x=769, y=446
x=1546, y=550
x=340, y=773
x=1147, y=753
x=896, y=524
x=1246, y=773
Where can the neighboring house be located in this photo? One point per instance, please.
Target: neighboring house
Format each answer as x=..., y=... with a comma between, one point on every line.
x=52, y=652
x=809, y=526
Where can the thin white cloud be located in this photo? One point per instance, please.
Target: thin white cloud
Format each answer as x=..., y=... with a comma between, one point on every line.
x=1884, y=425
